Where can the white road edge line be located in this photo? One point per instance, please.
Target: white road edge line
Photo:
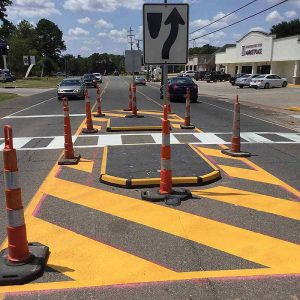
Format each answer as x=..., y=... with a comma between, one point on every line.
x=28, y=107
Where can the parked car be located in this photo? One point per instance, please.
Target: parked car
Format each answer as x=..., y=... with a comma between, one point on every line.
x=180, y=74
x=233, y=79
x=216, y=76
x=71, y=88
x=268, y=81
x=178, y=88
x=199, y=75
x=189, y=73
x=6, y=76
x=98, y=77
x=245, y=80
x=89, y=80
x=139, y=80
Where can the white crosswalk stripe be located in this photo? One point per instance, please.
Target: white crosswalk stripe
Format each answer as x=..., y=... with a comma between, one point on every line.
x=209, y=138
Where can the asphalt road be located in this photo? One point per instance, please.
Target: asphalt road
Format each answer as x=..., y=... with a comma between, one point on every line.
x=238, y=238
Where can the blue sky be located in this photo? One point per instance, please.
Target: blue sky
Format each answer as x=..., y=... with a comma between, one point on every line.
x=91, y=26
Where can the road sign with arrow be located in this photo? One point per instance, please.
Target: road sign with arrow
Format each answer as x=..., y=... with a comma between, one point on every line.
x=165, y=33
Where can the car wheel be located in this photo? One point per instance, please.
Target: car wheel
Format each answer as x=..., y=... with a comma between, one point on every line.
x=59, y=99
x=267, y=86
x=100, y=81
x=207, y=80
x=194, y=100
x=284, y=84
x=241, y=86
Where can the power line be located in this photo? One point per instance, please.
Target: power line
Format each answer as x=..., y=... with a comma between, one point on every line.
x=223, y=16
x=201, y=36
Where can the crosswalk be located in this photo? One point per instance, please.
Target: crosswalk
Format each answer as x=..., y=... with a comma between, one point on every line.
x=206, y=138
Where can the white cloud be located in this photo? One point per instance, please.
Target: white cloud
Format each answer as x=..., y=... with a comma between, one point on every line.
x=32, y=8
x=101, y=23
x=222, y=23
x=199, y=23
x=291, y=14
x=102, y=34
x=85, y=20
x=258, y=28
x=101, y=5
x=78, y=32
x=119, y=36
x=274, y=17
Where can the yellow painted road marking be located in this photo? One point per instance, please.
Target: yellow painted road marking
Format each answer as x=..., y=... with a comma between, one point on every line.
x=293, y=108
x=84, y=165
x=243, y=243
x=177, y=126
x=268, y=204
x=256, y=174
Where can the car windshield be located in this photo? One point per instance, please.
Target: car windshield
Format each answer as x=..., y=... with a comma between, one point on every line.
x=261, y=76
x=97, y=74
x=71, y=82
x=182, y=80
x=246, y=76
x=89, y=76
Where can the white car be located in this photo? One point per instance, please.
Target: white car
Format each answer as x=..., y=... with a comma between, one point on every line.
x=189, y=74
x=98, y=77
x=267, y=81
x=245, y=80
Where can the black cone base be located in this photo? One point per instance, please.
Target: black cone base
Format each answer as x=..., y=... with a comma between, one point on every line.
x=182, y=126
x=134, y=116
x=85, y=130
x=70, y=161
x=11, y=274
x=173, y=199
x=99, y=115
x=236, y=154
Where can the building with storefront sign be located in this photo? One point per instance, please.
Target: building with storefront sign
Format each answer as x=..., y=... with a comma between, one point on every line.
x=201, y=62
x=261, y=53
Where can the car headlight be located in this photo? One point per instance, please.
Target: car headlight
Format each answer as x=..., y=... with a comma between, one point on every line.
x=77, y=90
x=60, y=90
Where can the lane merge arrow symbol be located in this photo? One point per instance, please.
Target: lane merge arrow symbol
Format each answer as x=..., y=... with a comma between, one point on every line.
x=174, y=19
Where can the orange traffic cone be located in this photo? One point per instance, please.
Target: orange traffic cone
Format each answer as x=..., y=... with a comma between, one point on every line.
x=21, y=262
x=134, y=106
x=69, y=157
x=235, y=149
x=187, y=119
x=89, y=122
x=129, y=99
x=99, y=111
x=166, y=192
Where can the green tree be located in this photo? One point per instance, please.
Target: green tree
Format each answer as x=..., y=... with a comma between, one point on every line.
x=49, y=44
x=7, y=29
x=3, y=4
x=205, y=49
x=284, y=29
x=21, y=42
x=49, y=39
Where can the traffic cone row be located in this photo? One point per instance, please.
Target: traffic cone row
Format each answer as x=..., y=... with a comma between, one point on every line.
x=21, y=262
x=89, y=122
x=134, y=105
x=69, y=157
x=235, y=149
x=187, y=118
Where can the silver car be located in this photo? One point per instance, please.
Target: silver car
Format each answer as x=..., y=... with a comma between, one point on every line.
x=140, y=80
x=71, y=88
x=245, y=80
x=268, y=81
x=98, y=77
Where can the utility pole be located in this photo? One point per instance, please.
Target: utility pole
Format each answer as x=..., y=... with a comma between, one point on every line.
x=130, y=36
